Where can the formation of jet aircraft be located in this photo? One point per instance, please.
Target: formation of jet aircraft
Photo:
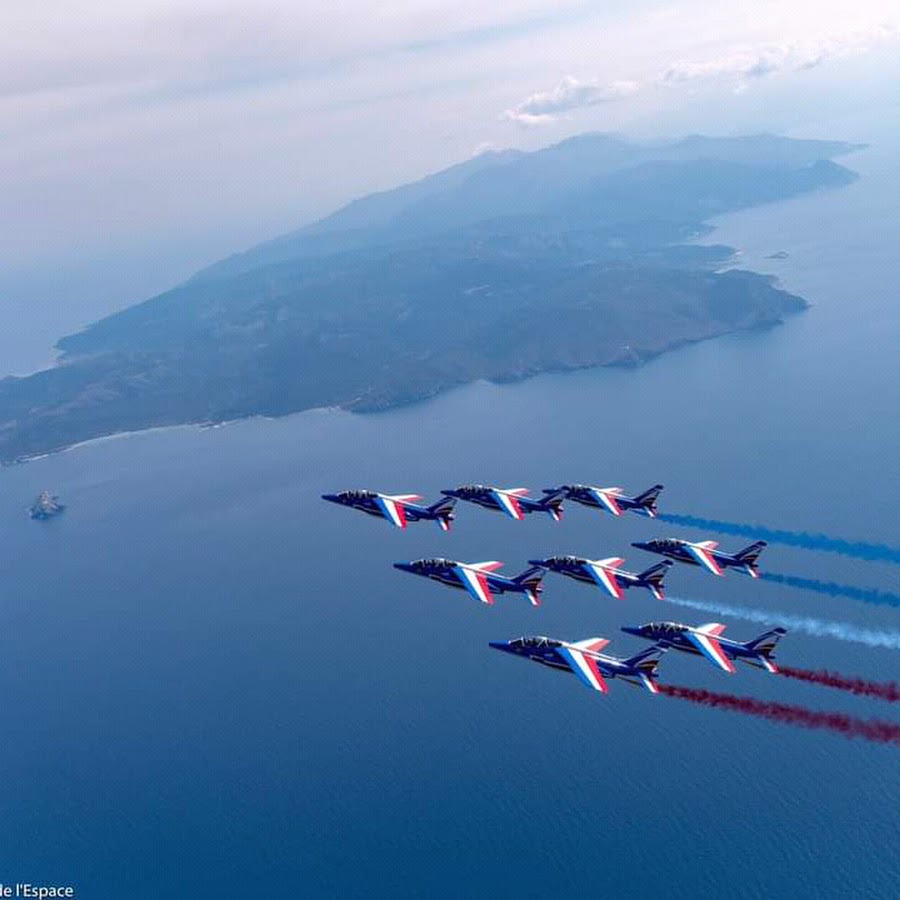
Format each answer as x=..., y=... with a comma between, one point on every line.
x=606, y=574
x=399, y=509
x=583, y=658
x=479, y=579
x=586, y=661
x=705, y=554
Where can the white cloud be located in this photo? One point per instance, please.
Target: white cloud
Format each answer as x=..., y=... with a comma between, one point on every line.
x=569, y=94
x=746, y=64
x=736, y=68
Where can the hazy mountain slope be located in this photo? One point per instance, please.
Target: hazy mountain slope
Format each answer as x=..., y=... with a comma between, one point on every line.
x=498, y=268
x=508, y=183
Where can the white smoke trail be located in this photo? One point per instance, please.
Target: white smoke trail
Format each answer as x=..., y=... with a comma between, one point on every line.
x=843, y=631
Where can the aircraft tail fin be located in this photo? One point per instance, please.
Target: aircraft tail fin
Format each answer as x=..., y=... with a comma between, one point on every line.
x=646, y=664
x=764, y=646
x=648, y=499
x=647, y=661
x=653, y=578
x=443, y=512
x=749, y=557
x=532, y=583
x=552, y=503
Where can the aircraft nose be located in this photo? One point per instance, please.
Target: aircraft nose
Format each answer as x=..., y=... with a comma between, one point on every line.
x=333, y=498
x=630, y=629
x=404, y=566
x=499, y=645
x=641, y=545
x=538, y=562
x=450, y=493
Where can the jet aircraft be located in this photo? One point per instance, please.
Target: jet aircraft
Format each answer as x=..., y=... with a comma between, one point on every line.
x=398, y=509
x=586, y=661
x=611, y=499
x=707, y=640
x=606, y=574
x=478, y=578
x=704, y=553
x=512, y=501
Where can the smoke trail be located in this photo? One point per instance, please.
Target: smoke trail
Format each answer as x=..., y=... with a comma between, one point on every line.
x=883, y=690
x=832, y=589
x=804, y=539
x=869, y=729
x=843, y=631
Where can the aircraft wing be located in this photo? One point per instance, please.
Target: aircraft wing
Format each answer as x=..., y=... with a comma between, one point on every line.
x=509, y=502
x=603, y=573
x=393, y=510
x=404, y=498
x=703, y=555
x=475, y=582
x=704, y=639
x=594, y=645
x=607, y=498
x=585, y=667
x=489, y=566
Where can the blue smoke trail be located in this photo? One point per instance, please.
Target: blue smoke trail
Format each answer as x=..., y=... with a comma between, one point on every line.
x=867, y=595
x=806, y=540
x=842, y=631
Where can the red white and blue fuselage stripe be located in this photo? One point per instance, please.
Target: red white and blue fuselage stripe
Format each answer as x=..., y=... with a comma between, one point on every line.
x=604, y=573
x=712, y=650
x=508, y=501
x=703, y=555
x=585, y=667
x=393, y=510
x=607, y=498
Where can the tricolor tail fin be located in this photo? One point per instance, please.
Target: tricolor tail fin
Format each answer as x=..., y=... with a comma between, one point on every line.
x=653, y=578
x=443, y=512
x=646, y=664
x=749, y=556
x=764, y=646
x=552, y=503
x=532, y=583
x=647, y=661
x=648, y=499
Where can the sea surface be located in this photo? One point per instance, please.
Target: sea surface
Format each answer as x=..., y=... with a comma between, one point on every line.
x=214, y=684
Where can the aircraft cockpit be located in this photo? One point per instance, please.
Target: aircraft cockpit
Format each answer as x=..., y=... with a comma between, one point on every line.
x=356, y=495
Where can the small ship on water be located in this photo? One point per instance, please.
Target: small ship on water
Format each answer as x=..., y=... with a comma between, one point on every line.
x=46, y=506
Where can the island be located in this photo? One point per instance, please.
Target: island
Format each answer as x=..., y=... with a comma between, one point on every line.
x=584, y=253
x=45, y=507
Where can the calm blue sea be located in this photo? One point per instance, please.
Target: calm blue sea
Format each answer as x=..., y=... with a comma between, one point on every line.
x=215, y=684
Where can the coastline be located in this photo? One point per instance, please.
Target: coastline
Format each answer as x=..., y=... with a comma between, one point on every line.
x=630, y=362
x=146, y=370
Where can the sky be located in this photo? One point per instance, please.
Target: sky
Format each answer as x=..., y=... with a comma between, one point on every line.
x=143, y=140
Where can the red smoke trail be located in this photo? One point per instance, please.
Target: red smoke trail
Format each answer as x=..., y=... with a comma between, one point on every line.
x=871, y=729
x=883, y=690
